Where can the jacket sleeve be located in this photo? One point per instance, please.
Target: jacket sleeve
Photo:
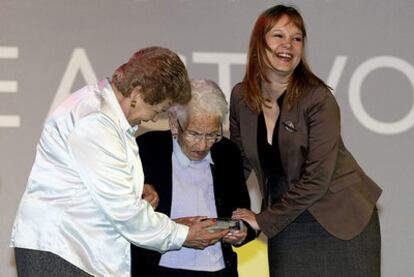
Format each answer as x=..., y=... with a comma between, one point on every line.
x=323, y=122
x=145, y=150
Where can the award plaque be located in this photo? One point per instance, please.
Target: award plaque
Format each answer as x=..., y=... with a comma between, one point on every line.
x=226, y=223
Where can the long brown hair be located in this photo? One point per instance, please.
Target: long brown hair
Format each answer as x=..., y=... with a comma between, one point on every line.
x=258, y=62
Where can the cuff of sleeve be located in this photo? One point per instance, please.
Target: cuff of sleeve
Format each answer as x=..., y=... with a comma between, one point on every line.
x=181, y=235
x=265, y=224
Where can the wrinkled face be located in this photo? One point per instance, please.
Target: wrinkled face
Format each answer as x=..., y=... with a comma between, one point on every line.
x=198, y=136
x=286, y=43
x=146, y=112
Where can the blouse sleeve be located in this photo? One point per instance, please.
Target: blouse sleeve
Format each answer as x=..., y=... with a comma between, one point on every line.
x=99, y=150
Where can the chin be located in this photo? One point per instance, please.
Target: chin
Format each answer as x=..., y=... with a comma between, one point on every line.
x=198, y=157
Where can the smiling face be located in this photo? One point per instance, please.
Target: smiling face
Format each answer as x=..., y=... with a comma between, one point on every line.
x=285, y=42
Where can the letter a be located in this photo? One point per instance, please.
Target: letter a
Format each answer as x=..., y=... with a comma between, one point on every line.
x=78, y=62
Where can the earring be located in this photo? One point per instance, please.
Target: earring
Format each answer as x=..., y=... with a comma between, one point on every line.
x=133, y=103
x=174, y=135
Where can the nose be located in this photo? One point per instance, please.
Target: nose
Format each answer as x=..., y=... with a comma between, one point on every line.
x=287, y=43
x=202, y=144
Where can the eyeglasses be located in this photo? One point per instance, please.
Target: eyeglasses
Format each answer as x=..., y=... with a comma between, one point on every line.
x=195, y=137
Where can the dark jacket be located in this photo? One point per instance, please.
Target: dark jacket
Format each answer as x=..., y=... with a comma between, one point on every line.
x=323, y=177
x=230, y=191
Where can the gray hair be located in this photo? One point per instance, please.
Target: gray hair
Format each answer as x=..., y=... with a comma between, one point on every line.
x=206, y=99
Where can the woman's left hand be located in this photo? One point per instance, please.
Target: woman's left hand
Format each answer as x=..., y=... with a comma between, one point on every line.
x=248, y=216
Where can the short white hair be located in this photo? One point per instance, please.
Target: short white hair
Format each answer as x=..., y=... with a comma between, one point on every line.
x=206, y=99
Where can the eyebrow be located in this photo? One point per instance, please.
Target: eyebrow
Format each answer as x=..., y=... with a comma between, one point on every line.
x=294, y=34
x=196, y=132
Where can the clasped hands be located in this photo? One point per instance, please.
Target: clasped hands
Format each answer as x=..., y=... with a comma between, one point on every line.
x=200, y=237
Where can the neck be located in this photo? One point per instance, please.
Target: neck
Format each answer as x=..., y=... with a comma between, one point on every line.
x=272, y=90
x=276, y=86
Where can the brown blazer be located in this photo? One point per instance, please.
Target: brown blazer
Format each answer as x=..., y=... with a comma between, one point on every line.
x=323, y=176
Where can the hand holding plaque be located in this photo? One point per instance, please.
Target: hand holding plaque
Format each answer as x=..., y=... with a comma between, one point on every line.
x=226, y=224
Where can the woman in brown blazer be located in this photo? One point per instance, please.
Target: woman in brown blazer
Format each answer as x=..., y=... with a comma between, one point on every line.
x=318, y=205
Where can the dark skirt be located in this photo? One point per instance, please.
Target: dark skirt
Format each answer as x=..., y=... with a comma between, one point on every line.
x=173, y=272
x=304, y=248
x=37, y=263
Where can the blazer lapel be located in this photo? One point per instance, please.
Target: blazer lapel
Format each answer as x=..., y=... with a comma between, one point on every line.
x=288, y=129
x=248, y=133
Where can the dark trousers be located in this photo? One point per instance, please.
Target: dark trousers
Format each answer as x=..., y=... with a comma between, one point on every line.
x=305, y=249
x=36, y=263
x=172, y=272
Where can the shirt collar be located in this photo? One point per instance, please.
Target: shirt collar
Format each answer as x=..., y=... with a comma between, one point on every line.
x=109, y=95
x=184, y=160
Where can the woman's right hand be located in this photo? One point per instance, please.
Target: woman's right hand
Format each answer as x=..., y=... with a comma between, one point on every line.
x=189, y=220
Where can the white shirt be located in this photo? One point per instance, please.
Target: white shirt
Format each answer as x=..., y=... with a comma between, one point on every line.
x=193, y=194
x=83, y=197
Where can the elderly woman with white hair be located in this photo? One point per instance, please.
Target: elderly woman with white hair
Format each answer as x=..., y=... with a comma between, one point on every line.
x=198, y=174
